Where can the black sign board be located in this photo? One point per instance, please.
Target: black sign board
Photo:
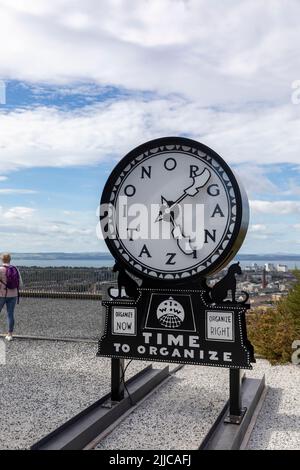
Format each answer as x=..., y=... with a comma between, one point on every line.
x=176, y=325
x=173, y=212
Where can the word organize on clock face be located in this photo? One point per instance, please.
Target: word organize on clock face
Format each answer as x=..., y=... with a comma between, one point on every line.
x=177, y=210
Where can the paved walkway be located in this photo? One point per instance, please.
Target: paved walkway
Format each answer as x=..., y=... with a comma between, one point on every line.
x=62, y=318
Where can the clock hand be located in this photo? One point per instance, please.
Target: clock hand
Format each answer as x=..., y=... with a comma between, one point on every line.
x=164, y=209
x=198, y=182
x=183, y=242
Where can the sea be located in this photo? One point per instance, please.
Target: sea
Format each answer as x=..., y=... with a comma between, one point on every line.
x=98, y=263
x=58, y=263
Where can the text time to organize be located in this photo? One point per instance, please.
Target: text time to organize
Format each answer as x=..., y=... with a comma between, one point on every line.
x=172, y=346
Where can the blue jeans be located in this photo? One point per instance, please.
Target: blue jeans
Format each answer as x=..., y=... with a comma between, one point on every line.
x=10, y=307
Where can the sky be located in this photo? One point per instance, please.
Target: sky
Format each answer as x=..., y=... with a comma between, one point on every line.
x=83, y=83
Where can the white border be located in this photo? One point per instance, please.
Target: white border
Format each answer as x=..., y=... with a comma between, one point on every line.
x=220, y=340
x=170, y=329
x=135, y=321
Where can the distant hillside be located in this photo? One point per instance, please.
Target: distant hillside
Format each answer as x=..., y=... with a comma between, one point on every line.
x=62, y=255
x=269, y=257
x=106, y=255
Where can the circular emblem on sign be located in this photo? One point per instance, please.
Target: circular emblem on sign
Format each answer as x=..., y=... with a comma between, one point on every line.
x=170, y=313
x=172, y=210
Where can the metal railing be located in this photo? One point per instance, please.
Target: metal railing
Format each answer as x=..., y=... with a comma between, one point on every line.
x=65, y=281
x=72, y=282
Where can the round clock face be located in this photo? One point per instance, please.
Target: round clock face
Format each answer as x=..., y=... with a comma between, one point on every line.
x=172, y=210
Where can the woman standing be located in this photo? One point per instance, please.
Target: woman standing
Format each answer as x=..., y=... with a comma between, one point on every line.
x=9, y=291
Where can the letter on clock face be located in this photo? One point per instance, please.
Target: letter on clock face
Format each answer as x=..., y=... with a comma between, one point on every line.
x=218, y=210
x=146, y=171
x=145, y=251
x=170, y=164
x=194, y=169
x=129, y=190
x=213, y=190
x=132, y=231
x=208, y=234
x=171, y=256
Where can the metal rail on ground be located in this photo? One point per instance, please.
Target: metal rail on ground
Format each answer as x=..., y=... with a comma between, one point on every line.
x=80, y=430
x=225, y=435
x=60, y=295
x=52, y=338
x=88, y=428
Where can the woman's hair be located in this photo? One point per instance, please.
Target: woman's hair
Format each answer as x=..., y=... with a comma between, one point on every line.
x=6, y=258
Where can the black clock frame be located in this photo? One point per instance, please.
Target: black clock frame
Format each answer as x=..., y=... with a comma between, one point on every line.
x=242, y=212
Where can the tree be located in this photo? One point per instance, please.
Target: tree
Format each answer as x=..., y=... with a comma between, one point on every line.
x=272, y=332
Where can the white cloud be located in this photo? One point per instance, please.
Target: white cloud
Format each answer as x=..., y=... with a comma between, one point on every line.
x=69, y=212
x=255, y=180
x=16, y=191
x=220, y=72
x=51, y=137
x=18, y=212
x=29, y=230
x=257, y=228
x=275, y=207
x=217, y=52
x=3, y=178
x=44, y=229
x=293, y=185
x=220, y=95
x=259, y=232
x=261, y=236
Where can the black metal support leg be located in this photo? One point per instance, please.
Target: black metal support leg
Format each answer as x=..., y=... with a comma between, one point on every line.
x=234, y=392
x=117, y=379
x=236, y=412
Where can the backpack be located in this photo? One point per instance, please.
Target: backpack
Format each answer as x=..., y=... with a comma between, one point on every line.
x=12, y=278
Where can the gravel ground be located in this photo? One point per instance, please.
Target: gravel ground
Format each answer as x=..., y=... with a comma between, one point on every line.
x=61, y=318
x=177, y=416
x=278, y=424
x=180, y=414
x=44, y=383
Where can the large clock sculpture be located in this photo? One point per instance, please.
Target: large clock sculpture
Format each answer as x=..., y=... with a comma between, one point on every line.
x=193, y=217
x=172, y=213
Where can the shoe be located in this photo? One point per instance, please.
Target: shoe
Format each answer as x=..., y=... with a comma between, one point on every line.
x=8, y=337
